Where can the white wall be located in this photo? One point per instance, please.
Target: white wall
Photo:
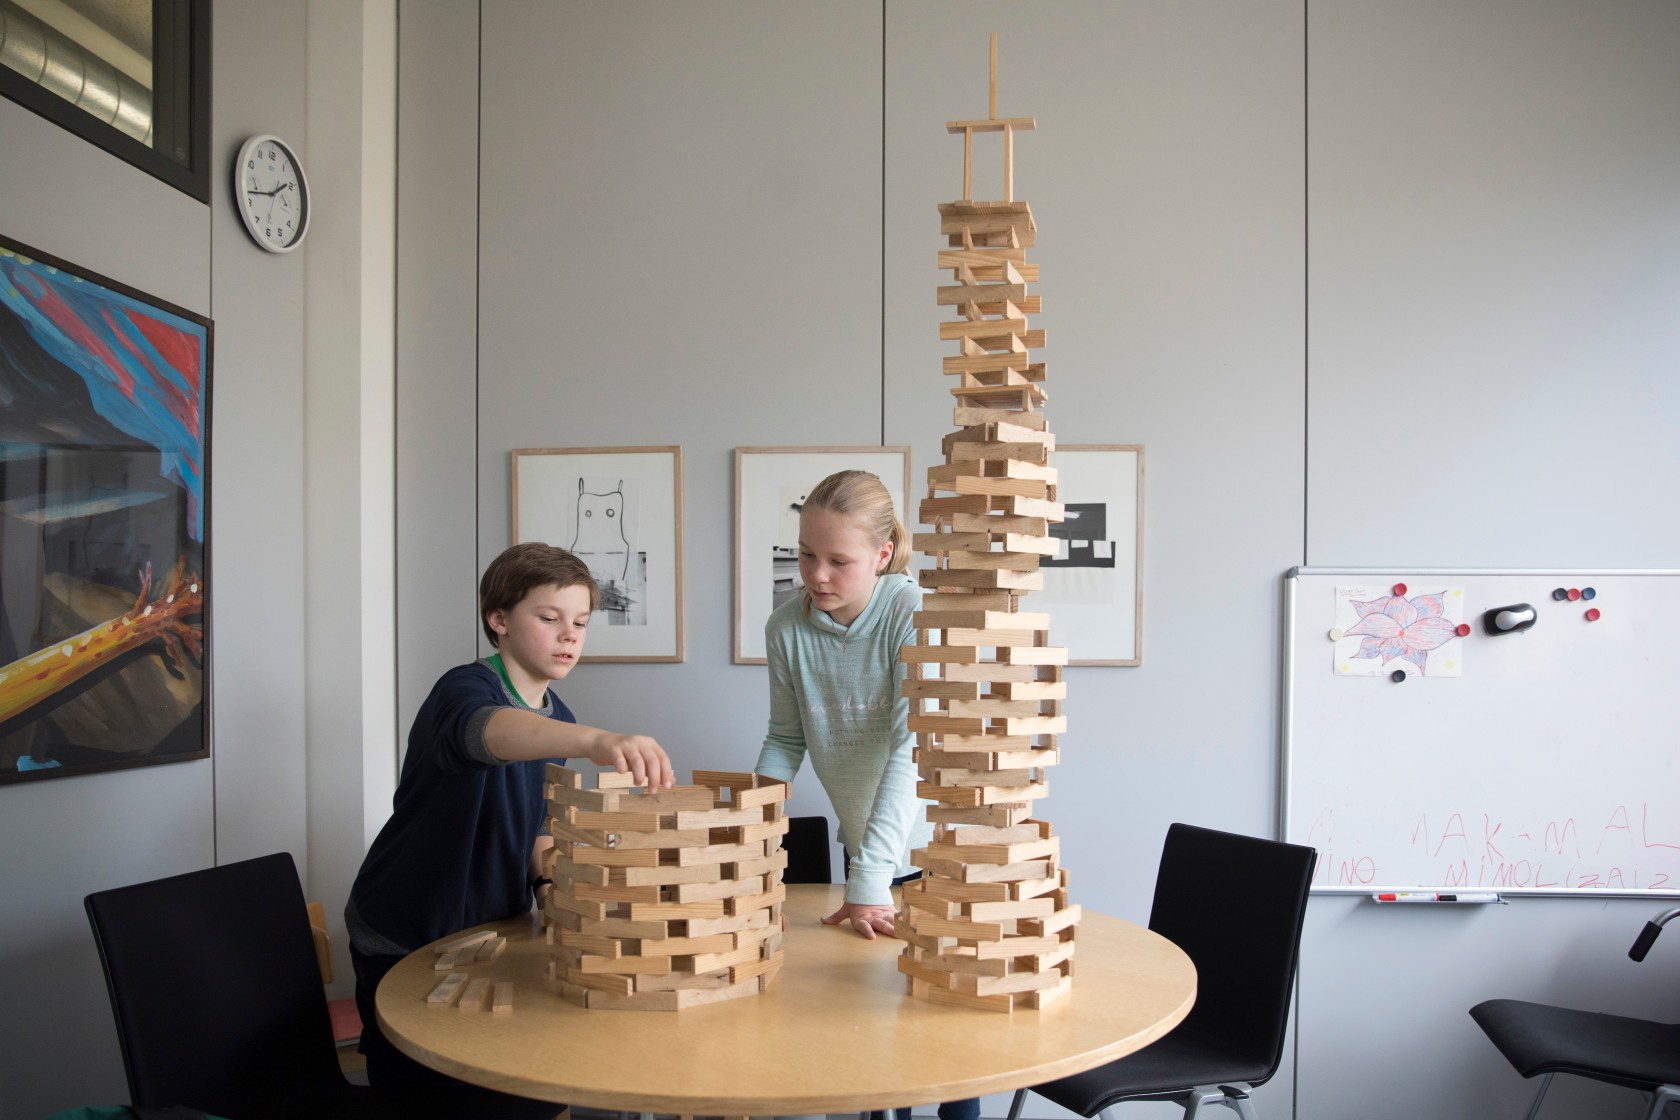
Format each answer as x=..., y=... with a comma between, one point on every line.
x=68, y=837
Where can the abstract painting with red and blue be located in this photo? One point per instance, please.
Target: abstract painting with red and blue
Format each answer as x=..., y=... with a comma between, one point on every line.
x=104, y=507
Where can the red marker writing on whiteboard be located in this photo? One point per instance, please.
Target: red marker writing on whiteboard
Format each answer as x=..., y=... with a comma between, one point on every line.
x=1432, y=896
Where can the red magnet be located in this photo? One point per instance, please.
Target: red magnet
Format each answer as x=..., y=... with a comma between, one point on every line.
x=1574, y=594
x=1399, y=589
x=1592, y=614
x=1463, y=630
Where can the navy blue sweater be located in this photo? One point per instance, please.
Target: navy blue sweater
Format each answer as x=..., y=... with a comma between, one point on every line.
x=456, y=851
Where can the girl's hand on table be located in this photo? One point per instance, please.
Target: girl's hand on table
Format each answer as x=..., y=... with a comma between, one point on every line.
x=866, y=920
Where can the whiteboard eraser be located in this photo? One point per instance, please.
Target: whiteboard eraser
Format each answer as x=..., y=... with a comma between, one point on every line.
x=1508, y=620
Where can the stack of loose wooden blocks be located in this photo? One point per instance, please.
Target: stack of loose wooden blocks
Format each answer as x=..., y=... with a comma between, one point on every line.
x=989, y=923
x=664, y=899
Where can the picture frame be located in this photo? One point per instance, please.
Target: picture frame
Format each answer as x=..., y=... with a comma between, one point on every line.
x=620, y=510
x=105, y=526
x=769, y=483
x=1093, y=589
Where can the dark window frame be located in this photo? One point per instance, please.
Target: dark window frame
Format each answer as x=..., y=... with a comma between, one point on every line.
x=192, y=178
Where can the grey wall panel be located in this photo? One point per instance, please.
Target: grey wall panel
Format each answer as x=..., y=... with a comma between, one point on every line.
x=1494, y=244
x=680, y=245
x=1493, y=232
x=74, y=835
x=437, y=339
x=258, y=453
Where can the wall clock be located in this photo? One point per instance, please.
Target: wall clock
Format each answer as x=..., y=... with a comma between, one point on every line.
x=271, y=193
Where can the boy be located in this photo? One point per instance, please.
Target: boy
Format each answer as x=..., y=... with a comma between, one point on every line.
x=462, y=846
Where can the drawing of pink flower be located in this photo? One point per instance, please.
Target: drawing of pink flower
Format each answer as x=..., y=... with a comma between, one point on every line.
x=1397, y=627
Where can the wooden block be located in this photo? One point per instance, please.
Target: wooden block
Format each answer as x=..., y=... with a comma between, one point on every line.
x=1002, y=621
x=1007, y=911
x=675, y=981
x=957, y=891
x=764, y=830
x=610, y=947
x=938, y=655
x=615, y=857
x=640, y=911
x=749, y=903
x=1016, y=947
x=719, y=853
x=623, y=966
x=948, y=577
x=561, y=797
x=733, y=780
x=699, y=997
x=588, y=892
x=990, y=672
x=624, y=927
x=722, y=888
x=734, y=923
x=719, y=818
x=930, y=926
x=610, y=984
x=949, y=295
x=668, y=875
x=621, y=821
x=743, y=972
x=677, y=799
x=464, y=941
x=558, y=900
x=1055, y=920
x=763, y=795
x=706, y=962
x=612, y=779
x=936, y=994
x=556, y=774
x=461, y=956
x=502, y=1001
x=491, y=949
x=973, y=417
x=691, y=946
x=762, y=865
x=1034, y=655
x=1009, y=834
x=1017, y=982
x=632, y=1001
x=559, y=867
x=472, y=999
x=448, y=989
x=996, y=815
x=1041, y=999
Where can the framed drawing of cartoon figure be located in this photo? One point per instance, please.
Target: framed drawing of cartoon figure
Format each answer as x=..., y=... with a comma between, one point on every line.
x=620, y=510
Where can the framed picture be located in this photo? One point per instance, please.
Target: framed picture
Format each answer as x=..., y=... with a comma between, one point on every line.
x=620, y=510
x=1093, y=587
x=770, y=488
x=104, y=522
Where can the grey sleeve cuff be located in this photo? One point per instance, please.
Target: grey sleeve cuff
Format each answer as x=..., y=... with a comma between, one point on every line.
x=477, y=749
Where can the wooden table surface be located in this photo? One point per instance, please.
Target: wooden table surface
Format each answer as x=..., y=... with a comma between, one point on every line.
x=837, y=1033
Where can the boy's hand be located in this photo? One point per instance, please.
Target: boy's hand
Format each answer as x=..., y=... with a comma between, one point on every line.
x=637, y=755
x=866, y=920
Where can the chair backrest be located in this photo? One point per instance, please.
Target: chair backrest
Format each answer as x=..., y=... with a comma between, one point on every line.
x=1236, y=905
x=214, y=985
x=806, y=842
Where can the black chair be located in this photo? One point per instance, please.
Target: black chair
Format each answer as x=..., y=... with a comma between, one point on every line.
x=1538, y=1038
x=1244, y=950
x=219, y=1005
x=807, y=847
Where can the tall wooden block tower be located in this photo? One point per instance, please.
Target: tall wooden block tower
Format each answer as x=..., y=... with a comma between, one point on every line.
x=989, y=923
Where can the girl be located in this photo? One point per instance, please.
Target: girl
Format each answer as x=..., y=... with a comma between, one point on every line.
x=835, y=694
x=834, y=687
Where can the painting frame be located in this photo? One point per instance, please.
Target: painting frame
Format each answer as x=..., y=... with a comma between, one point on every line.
x=105, y=531
x=556, y=493
x=1097, y=611
x=757, y=533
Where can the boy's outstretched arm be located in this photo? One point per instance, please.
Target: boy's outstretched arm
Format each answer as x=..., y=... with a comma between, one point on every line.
x=515, y=736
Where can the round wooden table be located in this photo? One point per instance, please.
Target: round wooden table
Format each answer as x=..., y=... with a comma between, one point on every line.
x=836, y=1033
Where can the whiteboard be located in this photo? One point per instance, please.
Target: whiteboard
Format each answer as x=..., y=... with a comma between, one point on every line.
x=1538, y=762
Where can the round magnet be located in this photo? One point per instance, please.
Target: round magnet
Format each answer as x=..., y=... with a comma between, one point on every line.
x=1463, y=630
x=1574, y=594
x=1399, y=589
x=1592, y=614
x=1589, y=593
x=1397, y=676
x=1560, y=594
x=1335, y=633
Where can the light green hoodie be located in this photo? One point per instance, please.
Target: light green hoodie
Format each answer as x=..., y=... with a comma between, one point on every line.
x=835, y=694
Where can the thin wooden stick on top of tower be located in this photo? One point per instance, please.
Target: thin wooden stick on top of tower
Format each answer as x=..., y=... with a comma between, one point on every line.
x=993, y=123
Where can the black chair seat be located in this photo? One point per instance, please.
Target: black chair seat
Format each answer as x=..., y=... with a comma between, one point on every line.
x=219, y=1005
x=1538, y=1038
x=1161, y=1071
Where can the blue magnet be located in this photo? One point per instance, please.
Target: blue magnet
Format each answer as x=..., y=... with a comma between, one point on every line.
x=1588, y=593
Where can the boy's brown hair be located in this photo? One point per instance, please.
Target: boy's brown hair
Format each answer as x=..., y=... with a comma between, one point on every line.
x=512, y=575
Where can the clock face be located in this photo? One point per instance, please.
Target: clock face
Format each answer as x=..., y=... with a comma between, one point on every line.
x=271, y=193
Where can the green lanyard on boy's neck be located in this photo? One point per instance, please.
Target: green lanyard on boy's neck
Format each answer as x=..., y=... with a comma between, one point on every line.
x=495, y=662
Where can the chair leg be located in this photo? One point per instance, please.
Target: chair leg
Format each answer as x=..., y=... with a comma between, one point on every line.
x=1193, y=1101
x=1661, y=1099
x=1534, y=1109
x=1016, y=1103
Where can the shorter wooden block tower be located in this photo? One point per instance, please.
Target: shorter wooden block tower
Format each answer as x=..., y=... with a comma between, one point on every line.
x=989, y=923
x=664, y=899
